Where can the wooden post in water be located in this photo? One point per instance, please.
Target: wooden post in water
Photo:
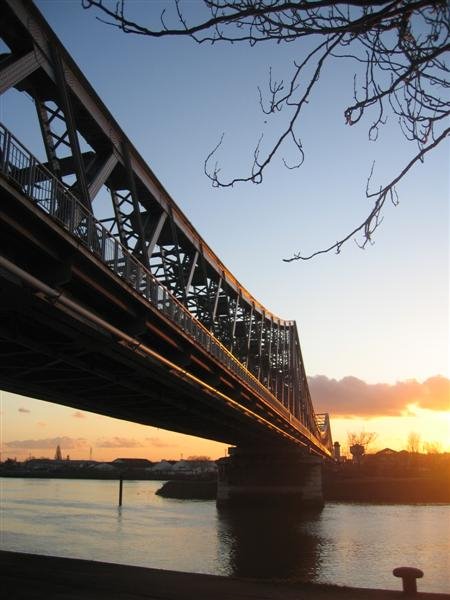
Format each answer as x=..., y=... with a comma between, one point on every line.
x=120, y=490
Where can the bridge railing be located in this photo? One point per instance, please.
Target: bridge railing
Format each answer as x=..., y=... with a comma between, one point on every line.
x=54, y=198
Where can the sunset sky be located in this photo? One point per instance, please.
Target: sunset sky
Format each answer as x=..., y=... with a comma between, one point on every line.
x=374, y=324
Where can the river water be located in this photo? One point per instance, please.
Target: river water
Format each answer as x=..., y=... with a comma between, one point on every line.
x=345, y=544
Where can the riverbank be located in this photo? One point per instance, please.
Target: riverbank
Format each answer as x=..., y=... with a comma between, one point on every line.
x=370, y=490
x=395, y=490
x=44, y=577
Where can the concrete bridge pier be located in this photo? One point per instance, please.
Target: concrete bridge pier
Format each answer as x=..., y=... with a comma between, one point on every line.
x=269, y=476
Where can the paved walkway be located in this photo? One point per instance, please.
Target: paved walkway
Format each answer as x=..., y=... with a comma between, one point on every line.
x=31, y=577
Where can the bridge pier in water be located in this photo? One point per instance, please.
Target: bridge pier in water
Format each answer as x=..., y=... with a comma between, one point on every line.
x=272, y=477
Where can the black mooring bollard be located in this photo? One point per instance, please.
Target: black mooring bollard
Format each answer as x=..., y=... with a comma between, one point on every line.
x=120, y=491
x=409, y=576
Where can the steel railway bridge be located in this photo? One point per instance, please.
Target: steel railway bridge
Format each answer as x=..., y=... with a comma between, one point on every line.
x=110, y=300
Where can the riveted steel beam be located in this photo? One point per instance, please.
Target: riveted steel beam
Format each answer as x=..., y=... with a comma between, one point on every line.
x=15, y=69
x=100, y=177
x=52, y=141
x=66, y=102
x=249, y=335
x=156, y=233
x=191, y=272
x=137, y=227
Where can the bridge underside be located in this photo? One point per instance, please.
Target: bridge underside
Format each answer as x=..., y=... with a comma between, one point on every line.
x=51, y=352
x=110, y=300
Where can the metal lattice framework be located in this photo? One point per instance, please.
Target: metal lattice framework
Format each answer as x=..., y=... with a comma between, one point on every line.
x=141, y=233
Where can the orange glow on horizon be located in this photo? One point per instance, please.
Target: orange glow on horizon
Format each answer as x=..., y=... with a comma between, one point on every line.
x=33, y=428
x=433, y=427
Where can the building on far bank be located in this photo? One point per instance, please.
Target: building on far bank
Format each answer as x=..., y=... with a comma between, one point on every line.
x=132, y=463
x=337, y=451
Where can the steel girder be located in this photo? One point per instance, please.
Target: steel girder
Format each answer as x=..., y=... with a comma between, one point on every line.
x=140, y=212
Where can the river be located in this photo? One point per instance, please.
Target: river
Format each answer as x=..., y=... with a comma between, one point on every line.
x=345, y=544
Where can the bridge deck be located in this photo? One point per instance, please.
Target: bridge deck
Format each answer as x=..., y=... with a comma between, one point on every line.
x=38, y=577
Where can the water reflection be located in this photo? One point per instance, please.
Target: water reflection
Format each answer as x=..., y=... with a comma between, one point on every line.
x=269, y=543
x=345, y=544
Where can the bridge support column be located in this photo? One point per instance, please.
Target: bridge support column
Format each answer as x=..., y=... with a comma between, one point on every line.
x=273, y=477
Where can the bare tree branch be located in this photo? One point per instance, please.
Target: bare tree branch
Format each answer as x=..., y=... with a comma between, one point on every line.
x=399, y=49
x=388, y=192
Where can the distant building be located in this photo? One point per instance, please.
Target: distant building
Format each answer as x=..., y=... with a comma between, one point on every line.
x=40, y=464
x=386, y=452
x=132, y=463
x=47, y=464
x=194, y=467
x=163, y=466
x=104, y=467
x=337, y=451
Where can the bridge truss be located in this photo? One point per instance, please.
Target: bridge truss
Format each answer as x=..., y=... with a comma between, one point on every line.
x=139, y=232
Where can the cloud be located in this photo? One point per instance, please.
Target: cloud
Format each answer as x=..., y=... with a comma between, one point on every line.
x=158, y=443
x=23, y=410
x=118, y=442
x=66, y=443
x=41, y=424
x=78, y=415
x=123, y=442
x=351, y=396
